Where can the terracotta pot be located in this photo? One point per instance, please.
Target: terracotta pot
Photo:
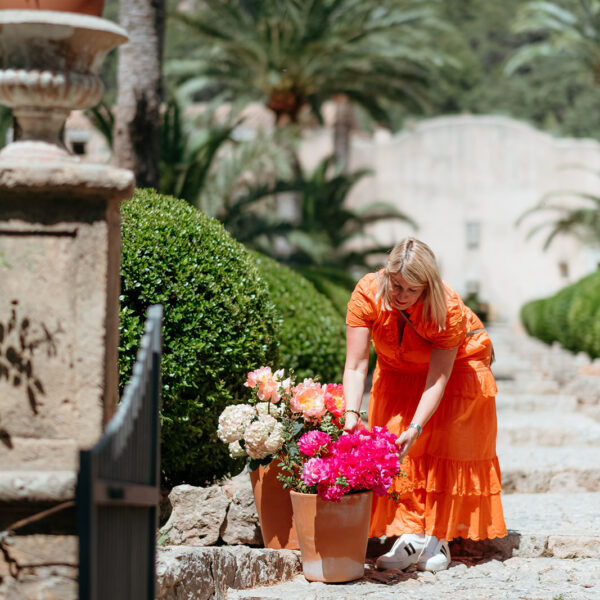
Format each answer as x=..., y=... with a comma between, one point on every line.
x=333, y=535
x=86, y=7
x=274, y=509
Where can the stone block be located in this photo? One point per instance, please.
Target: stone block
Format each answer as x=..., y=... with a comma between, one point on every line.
x=37, y=486
x=47, y=583
x=241, y=523
x=197, y=516
x=29, y=551
x=186, y=573
x=46, y=565
x=252, y=567
x=564, y=546
x=586, y=388
x=531, y=545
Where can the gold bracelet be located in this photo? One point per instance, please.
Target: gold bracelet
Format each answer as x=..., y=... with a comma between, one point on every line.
x=356, y=412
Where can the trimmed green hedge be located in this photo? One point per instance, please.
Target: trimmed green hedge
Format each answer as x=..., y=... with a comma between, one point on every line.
x=570, y=317
x=312, y=332
x=333, y=283
x=219, y=323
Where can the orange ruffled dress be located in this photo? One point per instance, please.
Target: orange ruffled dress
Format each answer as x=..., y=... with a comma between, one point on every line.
x=452, y=483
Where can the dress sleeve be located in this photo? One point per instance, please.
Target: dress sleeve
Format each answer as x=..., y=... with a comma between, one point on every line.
x=362, y=307
x=456, y=325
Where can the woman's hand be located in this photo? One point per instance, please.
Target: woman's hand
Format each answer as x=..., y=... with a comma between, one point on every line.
x=405, y=440
x=352, y=422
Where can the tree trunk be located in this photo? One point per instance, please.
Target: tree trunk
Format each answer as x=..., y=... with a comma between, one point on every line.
x=136, y=140
x=342, y=128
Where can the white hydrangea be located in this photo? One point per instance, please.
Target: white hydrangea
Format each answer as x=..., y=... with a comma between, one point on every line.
x=257, y=452
x=275, y=440
x=263, y=437
x=234, y=421
x=269, y=420
x=257, y=433
x=268, y=408
x=236, y=450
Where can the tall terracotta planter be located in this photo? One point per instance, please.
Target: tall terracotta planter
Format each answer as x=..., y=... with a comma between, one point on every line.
x=274, y=509
x=86, y=7
x=333, y=535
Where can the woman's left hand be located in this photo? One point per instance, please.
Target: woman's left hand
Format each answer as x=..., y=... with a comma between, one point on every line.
x=405, y=440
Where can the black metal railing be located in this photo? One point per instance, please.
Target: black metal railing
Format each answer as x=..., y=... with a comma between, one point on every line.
x=118, y=486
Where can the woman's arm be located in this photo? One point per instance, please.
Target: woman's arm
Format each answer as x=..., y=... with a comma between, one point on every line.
x=355, y=372
x=440, y=368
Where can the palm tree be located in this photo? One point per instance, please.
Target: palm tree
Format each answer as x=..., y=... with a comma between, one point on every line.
x=325, y=239
x=580, y=219
x=292, y=55
x=188, y=153
x=137, y=112
x=565, y=31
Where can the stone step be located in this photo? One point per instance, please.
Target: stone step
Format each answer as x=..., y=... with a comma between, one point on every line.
x=554, y=524
x=523, y=375
x=568, y=469
x=535, y=402
x=205, y=573
x=546, y=429
x=533, y=561
x=561, y=525
x=529, y=579
x=528, y=386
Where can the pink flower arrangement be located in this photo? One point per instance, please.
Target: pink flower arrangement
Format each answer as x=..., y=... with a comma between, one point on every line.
x=301, y=426
x=334, y=399
x=277, y=413
x=308, y=398
x=314, y=443
x=363, y=460
x=267, y=383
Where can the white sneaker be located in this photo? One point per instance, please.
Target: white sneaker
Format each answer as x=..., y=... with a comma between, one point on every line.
x=405, y=552
x=435, y=556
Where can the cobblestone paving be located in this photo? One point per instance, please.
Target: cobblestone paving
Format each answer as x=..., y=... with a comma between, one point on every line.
x=549, y=451
x=515, y=578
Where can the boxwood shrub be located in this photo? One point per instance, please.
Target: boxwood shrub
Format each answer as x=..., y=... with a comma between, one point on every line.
x=571, y=316
x=312, y=332
x=219, y=323
x=333, y=283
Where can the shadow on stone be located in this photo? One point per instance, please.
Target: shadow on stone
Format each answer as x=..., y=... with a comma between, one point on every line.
x=491, y=549
x=461, y=549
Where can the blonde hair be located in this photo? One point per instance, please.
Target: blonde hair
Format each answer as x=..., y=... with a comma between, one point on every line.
x=415, y=262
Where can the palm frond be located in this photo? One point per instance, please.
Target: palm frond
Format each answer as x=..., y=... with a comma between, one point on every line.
x=103, y=119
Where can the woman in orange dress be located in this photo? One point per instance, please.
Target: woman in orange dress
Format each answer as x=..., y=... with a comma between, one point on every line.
x=433, y=387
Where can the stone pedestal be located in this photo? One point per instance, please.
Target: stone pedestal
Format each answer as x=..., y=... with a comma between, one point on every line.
x=59, y=274
x=59, y=293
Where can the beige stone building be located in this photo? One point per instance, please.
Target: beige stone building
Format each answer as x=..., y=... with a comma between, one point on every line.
x=466, y=180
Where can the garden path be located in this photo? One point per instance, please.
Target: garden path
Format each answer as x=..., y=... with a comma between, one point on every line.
x=549, y=452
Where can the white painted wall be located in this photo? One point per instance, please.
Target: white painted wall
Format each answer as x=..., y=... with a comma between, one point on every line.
x=447, y=171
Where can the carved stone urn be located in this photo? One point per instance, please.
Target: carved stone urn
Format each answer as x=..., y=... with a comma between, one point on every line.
x=49, y=63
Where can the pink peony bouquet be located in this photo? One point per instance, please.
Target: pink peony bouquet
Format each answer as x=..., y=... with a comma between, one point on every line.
x=358, y=461
x=277, y=414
